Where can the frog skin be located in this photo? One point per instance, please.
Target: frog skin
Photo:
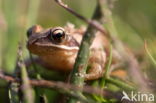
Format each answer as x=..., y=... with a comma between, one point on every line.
x=57, y=47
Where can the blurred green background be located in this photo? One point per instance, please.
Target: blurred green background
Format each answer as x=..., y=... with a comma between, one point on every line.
x=135, y=21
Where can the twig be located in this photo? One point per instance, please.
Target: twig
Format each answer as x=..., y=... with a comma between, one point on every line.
x=93, y=23
x=7, y=77
x=55, y=85
x=59, y=86
x=51, y=84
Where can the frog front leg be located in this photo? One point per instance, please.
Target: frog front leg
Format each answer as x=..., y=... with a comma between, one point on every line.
x=96, y=64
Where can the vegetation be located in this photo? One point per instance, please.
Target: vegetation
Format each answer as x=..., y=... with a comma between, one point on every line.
x=128, y=25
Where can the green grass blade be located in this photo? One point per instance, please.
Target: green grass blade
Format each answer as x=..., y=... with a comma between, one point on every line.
x=149, y=54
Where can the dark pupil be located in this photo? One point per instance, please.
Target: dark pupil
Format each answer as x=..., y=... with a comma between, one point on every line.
x=58, y=35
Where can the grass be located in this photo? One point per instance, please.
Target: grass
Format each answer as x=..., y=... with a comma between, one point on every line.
x=130, y=20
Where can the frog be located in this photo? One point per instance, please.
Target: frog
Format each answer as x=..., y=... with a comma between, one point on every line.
x=58, y=48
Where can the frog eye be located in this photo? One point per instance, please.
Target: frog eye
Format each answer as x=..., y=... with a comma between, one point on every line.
x=57, y=35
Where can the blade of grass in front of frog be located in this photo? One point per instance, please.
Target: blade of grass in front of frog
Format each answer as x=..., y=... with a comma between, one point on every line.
x=83, y=54
x=149, y=54
x=38, y=76
x=40, y=93
x=26, y=87
x=14, y=92
x=120, y=84
x=98, y=98
x=106, y=76
x=102, y=82
x=108, y=79
x=108, y=65
x=27, y=90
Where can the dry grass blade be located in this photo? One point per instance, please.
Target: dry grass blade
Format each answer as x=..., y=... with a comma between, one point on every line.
x=26, y=87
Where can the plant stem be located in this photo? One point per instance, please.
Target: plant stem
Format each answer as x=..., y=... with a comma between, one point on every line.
x=108, y=65
x=127, y=56
x=106, y=74
x=149, y=54
x=13, y=92
x=80, y=66
x=26, y=87
x=120, y=84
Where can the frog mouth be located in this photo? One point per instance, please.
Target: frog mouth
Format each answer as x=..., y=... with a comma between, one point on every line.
x=60, y=47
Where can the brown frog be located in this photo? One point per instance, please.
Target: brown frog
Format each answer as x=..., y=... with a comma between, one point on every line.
x=58, y=47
